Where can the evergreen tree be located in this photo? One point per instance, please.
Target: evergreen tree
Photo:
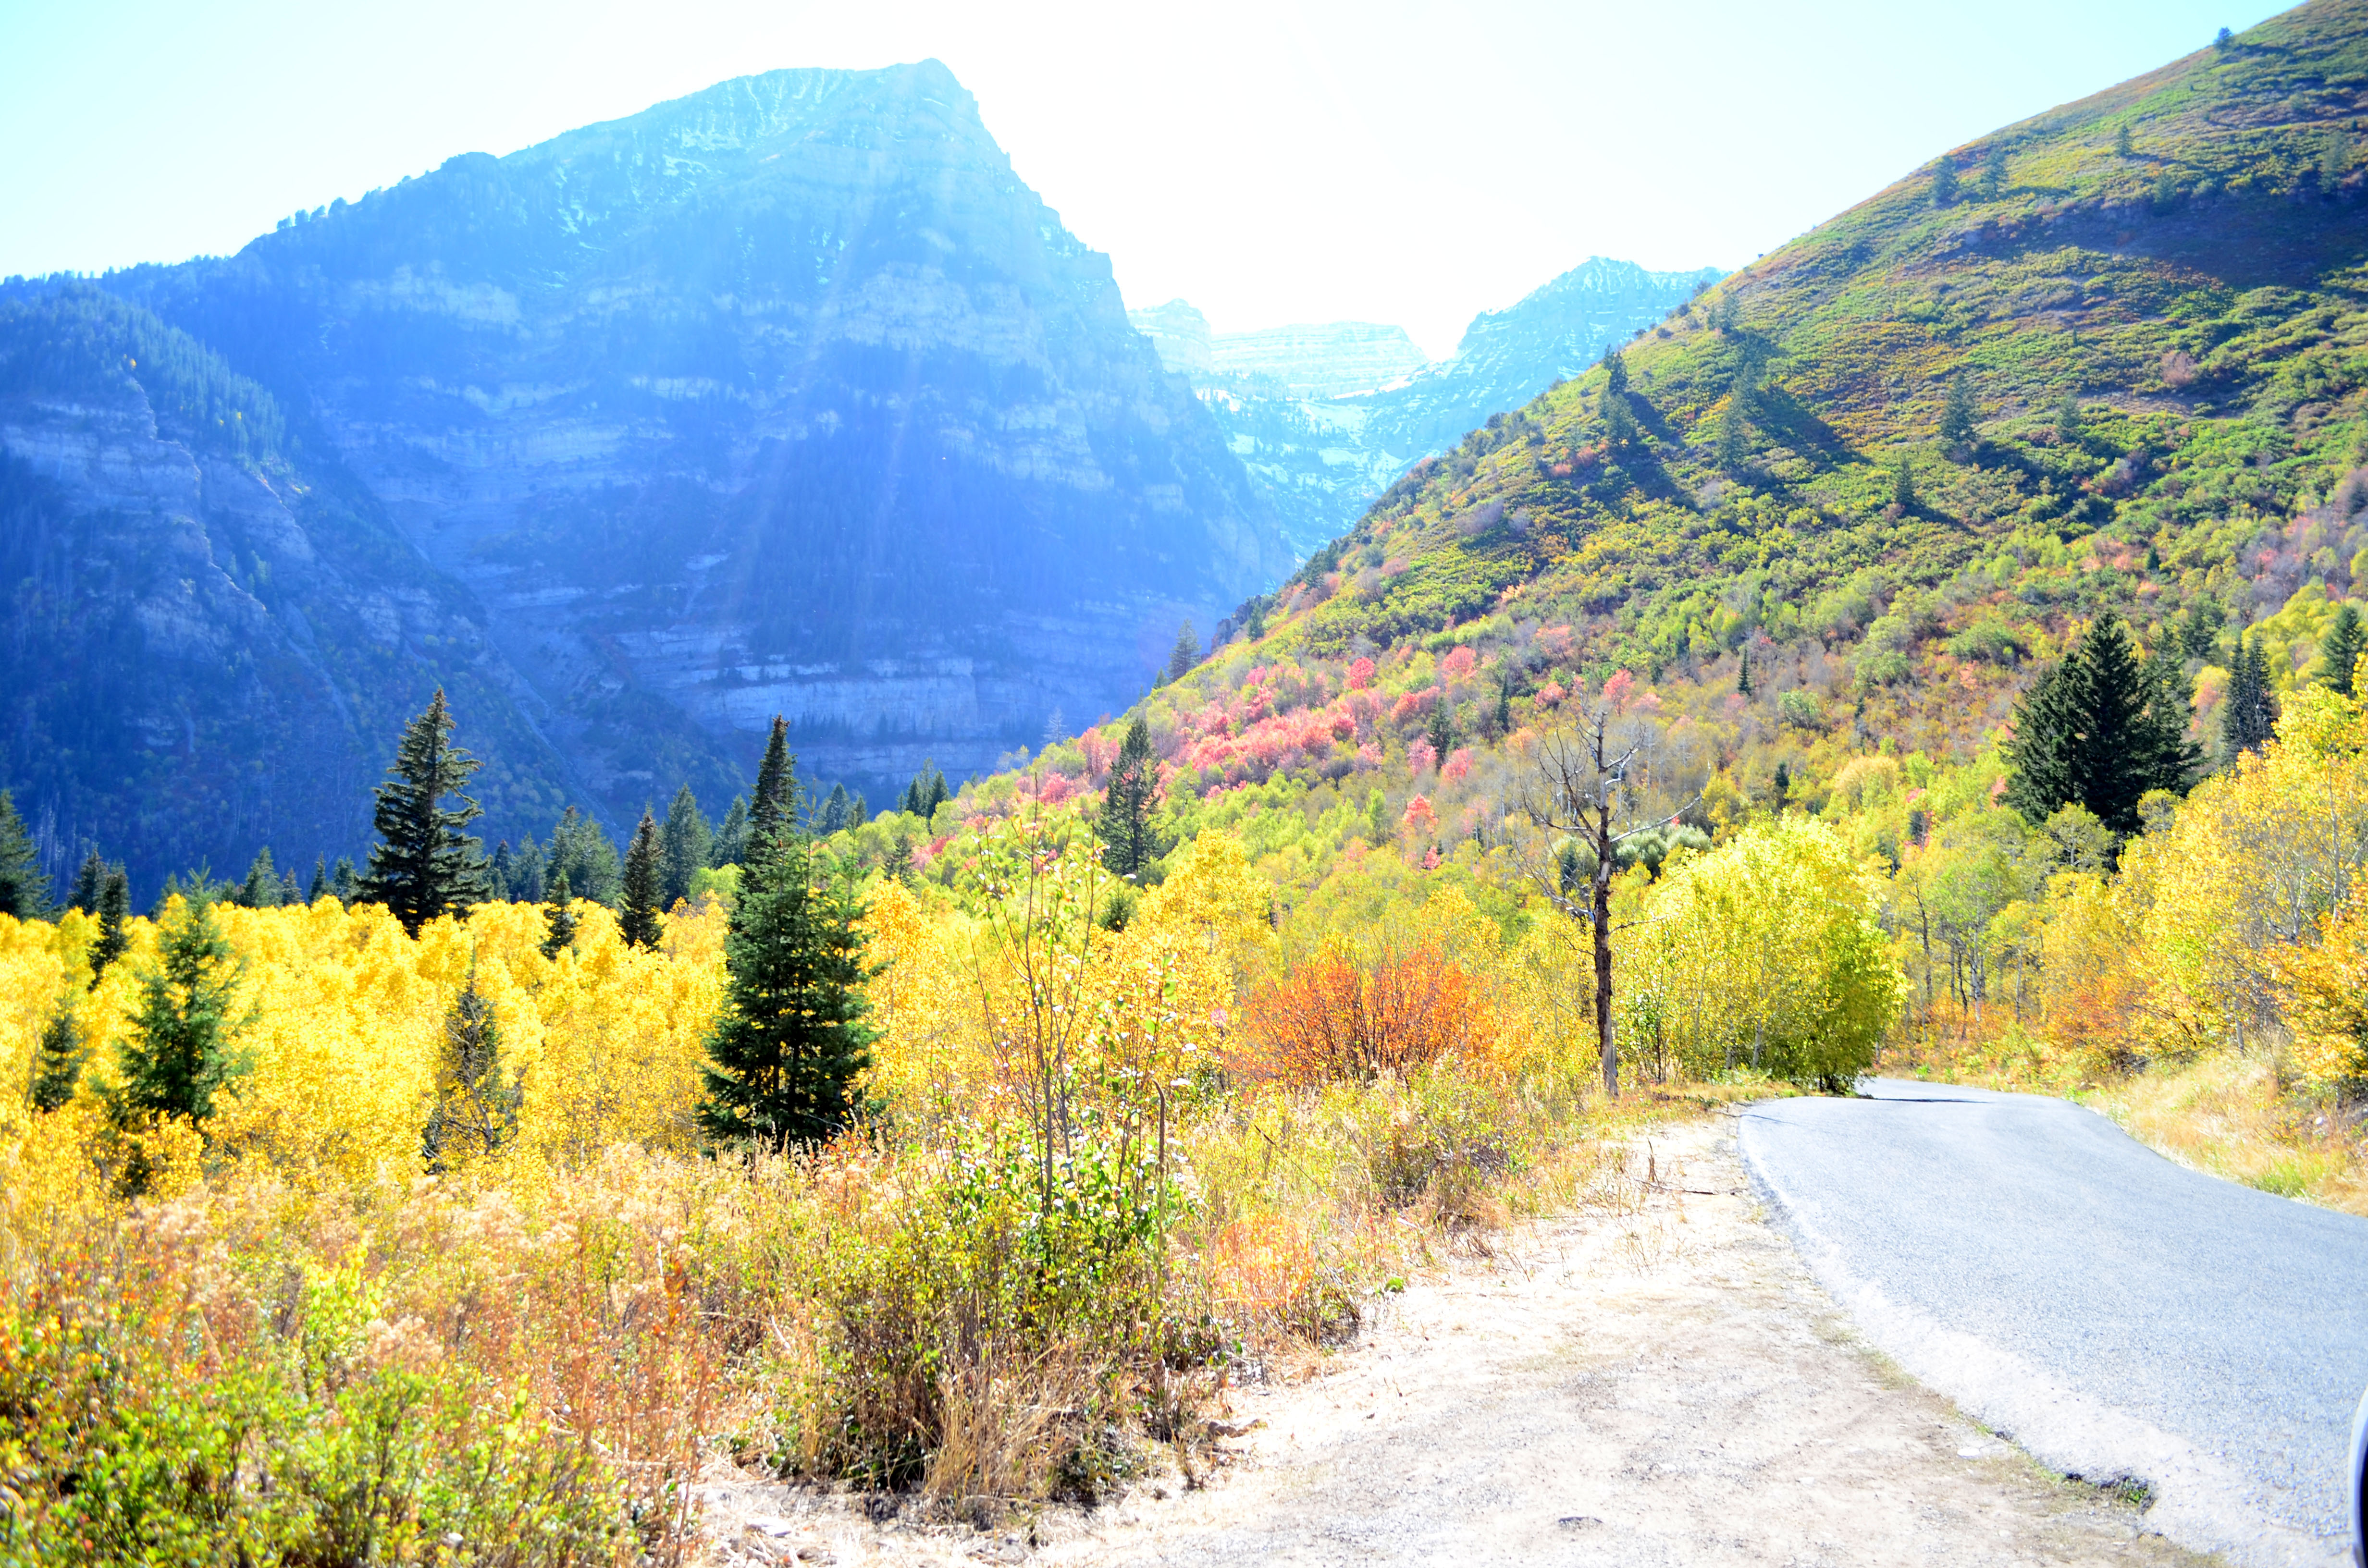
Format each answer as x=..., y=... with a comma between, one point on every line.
x=88, y=884
x=114, y=913
x=900, y=857
x=2071, y=424
x=927, y=792
x=178, y=1055
x=476, y=1111
x=2098, y=730
x=2123, y=146
x=855, y=810
x=1440, y=732
x=1615, y=371
x=24, y=888
x=791, y=1035
x=1185, y=655
x=292, y=893
x=1734, y=451
x=731, y=834
x=833, y=817
x=584, y=853
x=2248, y=716
x=644, y=878
x=425, y=864
x=1903, y=487
x=260, y=889
x=57, y=1059
x=2339, y=650
x=774, y=808
x=1619, y=421
x=1994, y=172
x=1505, y=706
x=1958, y=431
x=1944, y=183
x=558, y=919
x=1743, y=673
x=320, y=888
x=686, y=844
x=1723, y=313
x=344, y=882
x=1129, y=844
x=498, y=874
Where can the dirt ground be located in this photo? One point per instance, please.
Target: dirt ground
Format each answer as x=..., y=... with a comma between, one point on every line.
x=1652, y=1381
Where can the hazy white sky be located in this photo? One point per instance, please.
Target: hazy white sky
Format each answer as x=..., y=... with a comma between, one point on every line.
x=1276, y=160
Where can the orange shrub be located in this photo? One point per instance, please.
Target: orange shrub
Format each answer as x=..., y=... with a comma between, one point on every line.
x=1333, y=1017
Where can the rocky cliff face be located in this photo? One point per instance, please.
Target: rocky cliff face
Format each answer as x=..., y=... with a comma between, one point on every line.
x=209, y=647
x=785, y=397
x=1327, y=417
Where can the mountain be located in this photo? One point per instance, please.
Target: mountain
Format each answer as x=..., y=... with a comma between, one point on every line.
x=788, y=396
x=1325, y=417
x=2157, y=298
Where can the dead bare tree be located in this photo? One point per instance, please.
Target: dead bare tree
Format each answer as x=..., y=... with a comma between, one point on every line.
x=1592, y=779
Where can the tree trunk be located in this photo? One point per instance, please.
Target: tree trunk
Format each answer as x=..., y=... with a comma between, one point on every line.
x=1602, y=923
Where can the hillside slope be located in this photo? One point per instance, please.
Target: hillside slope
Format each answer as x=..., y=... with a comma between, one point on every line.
x=788, y=396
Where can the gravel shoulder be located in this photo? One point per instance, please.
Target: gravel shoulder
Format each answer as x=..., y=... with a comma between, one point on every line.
x=1656, y=1380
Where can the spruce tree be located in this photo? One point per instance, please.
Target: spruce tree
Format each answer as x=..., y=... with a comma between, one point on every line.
x=1734, y=450
x=344, y=882
x=833, y=817
x=425, y=864
x=927, y=792
x=1615, y=372
x=2122, y=145
x=2099, y=730
x=320, y=888
x=1505, y=706
x=498, y=873
x=57, y=1059
x=1440, y=732
x=2071, y=424
x=1994, y=172
x=2248, y=716
x=1903, y=487
x=178, y=1058
x=114, y=912
x=1185, y=655
x=476, y=1111
x=2339, y=650
x=791, y=1035
x=1958, y=431
x=260, y=889
x=88, y=884
x=584, y=853
x=1944, y=183
x=773, y=809
x=686, y=844
x=558, y=919
x=1129, y=844
x=1743, y=673
x=1619, y=421
x=637, y=920
x=731, y=834
x=24, y=888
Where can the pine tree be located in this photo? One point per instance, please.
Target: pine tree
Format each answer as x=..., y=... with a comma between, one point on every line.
x=114, y=912
x=583, y=852
x=926, y=793
x=1185, y=655
x=24, y=888
x=498, y=873
x=1440, y=732
x=1903, y=487
x=320, y=888
x=2123, y=146
x=291, y=892
x=476, y=1112
x=791, y=1035
x=2339, y=650
x=178, y=1055
x=900, y=857
x=260, y=889
x=731, y=834
x=424, y=866
x=2071, y=424
x=1958, y=430
x=773, y=809
x=1944, y=183
x=1743, y=673
x=88, y=884
x=1994, y=172
x=1129, y=844
x=1615, y=371
x=2098, y=730
x=833, y=817
x=558, y=919
x=57, y=1058
x=686, y=844
x=344, y=882
x=1505, y=706
x=1734, y=451
x=637, y=920
x=855, y=810
x=2248, y=715
x=1619, y=421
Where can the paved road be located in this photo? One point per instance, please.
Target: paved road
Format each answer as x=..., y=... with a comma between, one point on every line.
x=2119, y=1316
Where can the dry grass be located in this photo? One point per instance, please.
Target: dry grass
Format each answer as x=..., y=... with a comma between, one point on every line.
x=2229, y=1116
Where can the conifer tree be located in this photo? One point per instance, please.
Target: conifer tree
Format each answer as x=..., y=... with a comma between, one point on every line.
x=57, y=1059
x=178, y=1055
x=1958, y=430
x=1734, y=452
x=731, y=834
x=1615, y=373
x=2098, y=730
x=1619, y=421
x=558, y=919
x=425, y=864
x=900, y=857
x=637, y=920
x=114, y=910
x=927, y=793
x=1994, y=172
x=686, y=844
x=1743, y=673
x=2071, y=424
x=791, y=1035
x=2123, y=146
x=1440, y=732
x=1903, y=487
x=499, y=873
x=88, y=884
x=1505, y=706
x=24, y=888
x=833, y=817
x=2248, y=715
x=320, y=888
x=344, y=882
x=1185, y=655
x=855, y=810
x=2339, y=650
x=476, y=1111
x=1944, y=183
x=580, y=849
x=1129, y=844
x=260, y=889
x=774, y=808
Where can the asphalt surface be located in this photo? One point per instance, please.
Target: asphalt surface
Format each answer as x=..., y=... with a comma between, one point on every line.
x=2119, y=1316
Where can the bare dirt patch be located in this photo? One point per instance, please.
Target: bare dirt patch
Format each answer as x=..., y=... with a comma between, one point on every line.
x=1655, y=1381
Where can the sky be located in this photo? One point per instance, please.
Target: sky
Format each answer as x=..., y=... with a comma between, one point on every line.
x=1273, y=162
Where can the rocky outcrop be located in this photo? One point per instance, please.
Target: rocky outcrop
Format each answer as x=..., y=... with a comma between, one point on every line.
x=789, y=396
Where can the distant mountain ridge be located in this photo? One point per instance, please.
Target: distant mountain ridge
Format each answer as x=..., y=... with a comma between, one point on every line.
x=785, y=396
x=1325, y=417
